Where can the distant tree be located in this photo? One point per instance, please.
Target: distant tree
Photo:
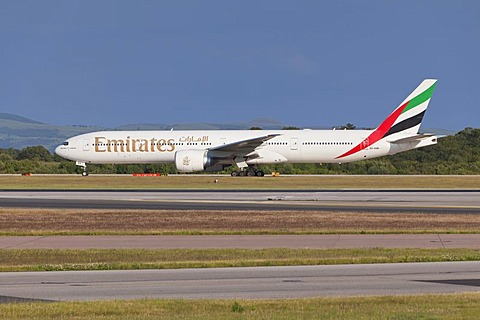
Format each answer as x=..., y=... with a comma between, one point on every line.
x=255, y=128
x=38, y=153
x=9, y=154
x=348, y=126
x=290, y=128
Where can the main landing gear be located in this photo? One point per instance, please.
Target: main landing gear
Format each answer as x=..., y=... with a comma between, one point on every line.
x=250, y=172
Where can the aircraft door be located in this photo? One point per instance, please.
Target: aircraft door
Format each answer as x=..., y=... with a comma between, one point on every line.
x=294, y=144
x=86, y=144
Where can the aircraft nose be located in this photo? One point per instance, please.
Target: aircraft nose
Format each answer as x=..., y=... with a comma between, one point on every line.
x=58, y=151
x=62, y=150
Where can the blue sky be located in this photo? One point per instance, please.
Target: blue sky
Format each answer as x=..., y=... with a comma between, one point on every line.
x=304, y=63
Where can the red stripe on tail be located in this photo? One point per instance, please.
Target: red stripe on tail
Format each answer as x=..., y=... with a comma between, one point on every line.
x=378, y=134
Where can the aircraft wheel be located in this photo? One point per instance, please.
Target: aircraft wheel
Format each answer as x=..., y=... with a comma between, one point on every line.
x=250, y=173
x=85, y=173
x=260, y=173
x=234, y=173
x=241, y=173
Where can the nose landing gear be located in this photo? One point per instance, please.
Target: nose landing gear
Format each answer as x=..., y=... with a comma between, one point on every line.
x=83, y=165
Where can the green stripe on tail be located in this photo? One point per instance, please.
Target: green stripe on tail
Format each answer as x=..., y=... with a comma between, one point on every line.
x=421, y=98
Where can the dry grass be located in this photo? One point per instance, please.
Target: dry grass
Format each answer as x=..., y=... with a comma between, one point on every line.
x=226, y=182
x=432, y=306
x=19, y=221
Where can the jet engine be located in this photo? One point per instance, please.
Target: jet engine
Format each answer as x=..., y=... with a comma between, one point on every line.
x=192, y=160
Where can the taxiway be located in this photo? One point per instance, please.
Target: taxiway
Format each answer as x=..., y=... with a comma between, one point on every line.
x=244, y=283
x=447, y=241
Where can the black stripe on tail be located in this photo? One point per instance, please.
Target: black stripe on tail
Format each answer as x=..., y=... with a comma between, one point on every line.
x=406, y=124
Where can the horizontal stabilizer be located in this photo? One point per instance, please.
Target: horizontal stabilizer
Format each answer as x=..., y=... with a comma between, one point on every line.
x=414, y=138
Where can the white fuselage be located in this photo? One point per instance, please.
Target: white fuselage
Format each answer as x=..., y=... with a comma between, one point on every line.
x=293, y=146
x=213, y=150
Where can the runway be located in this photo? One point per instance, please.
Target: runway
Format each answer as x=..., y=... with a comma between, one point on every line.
x=244, y=283
x=448, y=241
x=432, y=201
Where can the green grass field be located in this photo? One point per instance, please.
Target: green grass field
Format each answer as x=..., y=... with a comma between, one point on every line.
x=449, y=306
x=128, y=259
x=226, y=182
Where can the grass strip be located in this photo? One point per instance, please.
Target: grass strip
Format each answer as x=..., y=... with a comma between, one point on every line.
x=48, y=222
x=129, y=259
x=128, y=182
x=448, y=306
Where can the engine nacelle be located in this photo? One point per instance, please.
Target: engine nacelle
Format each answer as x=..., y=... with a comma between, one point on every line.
x=192, y=160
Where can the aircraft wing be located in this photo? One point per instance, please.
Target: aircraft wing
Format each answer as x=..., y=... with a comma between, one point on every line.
x=244, y=146
x=414, y=138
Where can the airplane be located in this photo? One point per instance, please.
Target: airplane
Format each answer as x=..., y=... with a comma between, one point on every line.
x=213, y=150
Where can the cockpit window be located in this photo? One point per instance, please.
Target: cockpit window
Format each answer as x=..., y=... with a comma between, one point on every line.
x=65, y=143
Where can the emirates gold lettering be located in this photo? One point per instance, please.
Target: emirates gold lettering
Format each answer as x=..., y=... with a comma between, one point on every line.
x=143, y=145
x=102, y=144
x=127, y=142
x=115, y=144
x=161, y=145
x=171, y=144
x=99, y=141
x=134, y=144
x=152, y=144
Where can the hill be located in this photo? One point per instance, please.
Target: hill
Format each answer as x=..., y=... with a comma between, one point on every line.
x=19, y=132
x=264, y=123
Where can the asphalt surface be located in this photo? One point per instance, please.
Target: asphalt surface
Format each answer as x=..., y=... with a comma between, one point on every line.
x=243, y=241
x=432, y=201
x=248, y=283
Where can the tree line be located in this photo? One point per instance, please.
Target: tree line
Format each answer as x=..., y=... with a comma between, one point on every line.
x=456, y=154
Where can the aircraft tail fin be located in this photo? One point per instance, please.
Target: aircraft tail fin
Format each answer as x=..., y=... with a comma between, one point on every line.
x=408, y=116
x=405, y=120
